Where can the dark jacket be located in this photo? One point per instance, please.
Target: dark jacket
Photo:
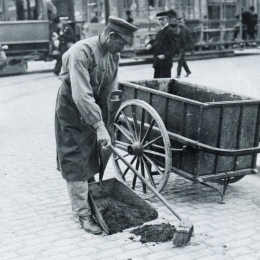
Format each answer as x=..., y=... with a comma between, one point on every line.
x=67, y=34
x=183, y=36
x=164, y=44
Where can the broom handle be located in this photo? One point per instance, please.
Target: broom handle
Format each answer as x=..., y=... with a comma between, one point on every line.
x=157, y=194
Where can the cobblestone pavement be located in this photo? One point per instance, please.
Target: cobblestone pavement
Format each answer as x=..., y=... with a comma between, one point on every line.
x=35, y=212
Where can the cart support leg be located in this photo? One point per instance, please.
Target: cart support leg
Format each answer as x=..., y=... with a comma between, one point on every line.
x=212, y=187
x=225, y=185
x=222, y=194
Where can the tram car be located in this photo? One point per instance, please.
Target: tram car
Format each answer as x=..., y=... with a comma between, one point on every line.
x=26, y=26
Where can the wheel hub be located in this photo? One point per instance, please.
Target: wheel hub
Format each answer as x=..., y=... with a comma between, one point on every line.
x=135, y=149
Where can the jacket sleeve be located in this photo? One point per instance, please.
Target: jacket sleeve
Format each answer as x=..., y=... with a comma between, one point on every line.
x=187, y=39
x=82, y=92
x=112, y=85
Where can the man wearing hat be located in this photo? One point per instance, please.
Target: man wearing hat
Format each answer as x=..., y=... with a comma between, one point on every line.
x=89, y=74
x=184, y=40
x=164, y=48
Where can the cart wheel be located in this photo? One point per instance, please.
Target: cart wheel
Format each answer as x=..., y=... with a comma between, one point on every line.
x=232, y=179
x=143, y=139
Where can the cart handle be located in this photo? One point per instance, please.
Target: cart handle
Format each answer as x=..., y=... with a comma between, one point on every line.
x=211, y=149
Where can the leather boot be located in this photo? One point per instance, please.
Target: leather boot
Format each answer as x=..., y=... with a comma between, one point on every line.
x=89, y=225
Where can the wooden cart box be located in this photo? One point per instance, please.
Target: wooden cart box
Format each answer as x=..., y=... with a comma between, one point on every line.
x=208, y=116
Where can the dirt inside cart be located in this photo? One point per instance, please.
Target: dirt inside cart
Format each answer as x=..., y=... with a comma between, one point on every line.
x=155, y=233
x=119, y=216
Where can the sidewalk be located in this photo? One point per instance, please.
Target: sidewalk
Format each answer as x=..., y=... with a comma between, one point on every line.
x=35, y=212
x=196, y=56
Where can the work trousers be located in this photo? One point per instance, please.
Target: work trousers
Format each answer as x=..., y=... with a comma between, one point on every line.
x=182, y=63
x=162, y=73
x=78, y=194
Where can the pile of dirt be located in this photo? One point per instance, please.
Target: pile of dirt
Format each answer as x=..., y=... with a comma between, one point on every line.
x=119, y=216
x=155, y=233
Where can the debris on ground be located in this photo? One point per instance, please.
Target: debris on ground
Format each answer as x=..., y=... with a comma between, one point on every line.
x=155, y=233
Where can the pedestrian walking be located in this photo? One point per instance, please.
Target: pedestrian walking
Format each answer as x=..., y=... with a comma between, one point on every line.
x=249, y=20
x=252, y=23
x=2, y=57
x=184, y=40
x=89, y=74
x=164, y=47
x=2, y=53
x=63, y=39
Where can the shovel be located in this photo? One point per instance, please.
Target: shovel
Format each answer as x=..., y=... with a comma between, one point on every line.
x=114, y=101
x=97, y=214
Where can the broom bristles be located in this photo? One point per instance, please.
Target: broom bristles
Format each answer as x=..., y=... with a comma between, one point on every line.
x=183, y=233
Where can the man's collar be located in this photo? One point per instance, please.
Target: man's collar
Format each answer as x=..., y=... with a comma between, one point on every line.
x=164, y=26
x=102, y=48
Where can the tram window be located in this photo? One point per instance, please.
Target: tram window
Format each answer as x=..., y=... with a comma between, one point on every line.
x=214, y=12
x=161, y=3
x=1, y=11
x=230, y=11
x=20, y=10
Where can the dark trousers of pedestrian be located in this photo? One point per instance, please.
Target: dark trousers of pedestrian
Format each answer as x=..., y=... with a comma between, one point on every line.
x=251, y=33
x=182, y=63
x=162, y=73
x=63, y=48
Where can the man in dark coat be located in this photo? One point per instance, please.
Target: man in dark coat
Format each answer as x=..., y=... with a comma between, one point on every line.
x=89, y=74
x=65, y=36
x=249, y=20
x=184, y=40
x=164, y=48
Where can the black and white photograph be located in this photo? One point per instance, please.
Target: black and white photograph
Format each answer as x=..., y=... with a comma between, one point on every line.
x=129, y=129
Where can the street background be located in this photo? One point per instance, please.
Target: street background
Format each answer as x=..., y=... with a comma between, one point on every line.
x=35, y=220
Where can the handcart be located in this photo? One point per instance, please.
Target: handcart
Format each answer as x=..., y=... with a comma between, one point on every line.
x=202, y=134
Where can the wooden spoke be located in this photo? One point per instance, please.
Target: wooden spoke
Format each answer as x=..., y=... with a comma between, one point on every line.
x=148, y=173
x=153, y=141
x=127, y=169
x=142, y=124
x=132, y=131
x=121, y=145
x=135, y=177
x=158, y=146
x=148, y=131
x=154, y=153
x=143, y=174
x=133, y=110
x=153, y=164
x=125, y=132
x=116, y=159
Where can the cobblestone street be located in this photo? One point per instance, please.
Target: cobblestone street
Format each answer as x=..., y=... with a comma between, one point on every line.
x=35, y=212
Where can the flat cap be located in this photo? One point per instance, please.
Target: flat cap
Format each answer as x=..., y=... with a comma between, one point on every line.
x=163, y=14
x=172, y=14
x=125, y=29
x=63, y=17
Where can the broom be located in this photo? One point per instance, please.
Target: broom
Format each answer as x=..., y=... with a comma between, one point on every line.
x=185, y=229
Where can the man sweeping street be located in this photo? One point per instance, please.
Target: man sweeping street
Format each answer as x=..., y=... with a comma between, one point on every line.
x=89, y=74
